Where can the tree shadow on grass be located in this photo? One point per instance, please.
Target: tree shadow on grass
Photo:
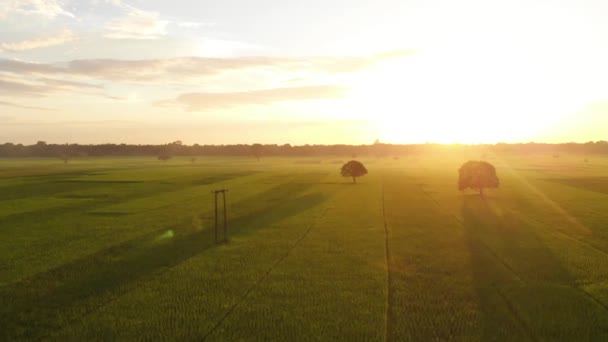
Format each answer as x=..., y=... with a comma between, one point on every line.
x=345, y=183
x=523, y=290
x=595, y=184
x=104, y=194
x=36, y=306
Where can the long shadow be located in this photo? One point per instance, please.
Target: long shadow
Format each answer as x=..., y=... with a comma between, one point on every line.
x=523, y=290
x=57, y=184
x=68, y=188
x=47, y=185
x=595, y=184
x=34, y=307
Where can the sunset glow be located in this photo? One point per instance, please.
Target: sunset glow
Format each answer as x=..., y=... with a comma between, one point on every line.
x=420, y=71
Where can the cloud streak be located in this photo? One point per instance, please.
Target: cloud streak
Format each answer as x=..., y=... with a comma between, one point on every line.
x=205, y=101
x=59, y=38
x=203, y=82
x=44, y=8
x=17, y=105
x=13, y=88
x=41, y=87
x=194, y=24
x=137, y=24
x=195, y=67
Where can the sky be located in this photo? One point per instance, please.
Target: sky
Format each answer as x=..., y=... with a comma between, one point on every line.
x=303, y=72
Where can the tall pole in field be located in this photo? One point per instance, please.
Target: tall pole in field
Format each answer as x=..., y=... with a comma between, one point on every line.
x=225, y=217
x=216, y=193
x=215, y=198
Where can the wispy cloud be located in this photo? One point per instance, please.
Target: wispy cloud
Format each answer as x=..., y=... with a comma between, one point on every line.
x=183, y=68
x=137, y=24
x=17, y=105
x=195, y=78
x=204, y=101
x=194, y=24
x=44, y=8
x=13, y=88
x=40, y=87
x=58, y=38
x=68, y=83
x=93, y=123
x=26, y=68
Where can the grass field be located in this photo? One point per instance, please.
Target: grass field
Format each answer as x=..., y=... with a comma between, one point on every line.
x=103, y=249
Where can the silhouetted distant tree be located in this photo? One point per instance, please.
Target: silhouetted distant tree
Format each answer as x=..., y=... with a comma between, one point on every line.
x=65, y=152
x=286, y=150
x=169, y=150
x=353, y=169
x=178, y=148
x=377, y=148
x=164, y=156
x=257, y=150
x=40, y=149
x=477, y=175
x=65, y=158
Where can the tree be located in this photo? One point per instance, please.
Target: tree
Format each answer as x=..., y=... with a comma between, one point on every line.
x=65, y=153
x=256, y=151
x=378, y=148
x=40, y=149
x=353, y=169
x=477, y=175
x=164, y=156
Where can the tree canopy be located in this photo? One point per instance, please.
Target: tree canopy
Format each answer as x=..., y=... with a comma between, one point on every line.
x=353, y=169
x=257, y=150
x=47, y=150
x=477, y=175
x=164, y=156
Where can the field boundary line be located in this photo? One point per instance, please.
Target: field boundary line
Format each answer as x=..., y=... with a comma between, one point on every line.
x=515, y=315
x=495, y=256
x=575, y=240
x=432, y=199
x=501, y=260
x=389, y=278
x=95, y=308
x=481, y=242
x=560, y=232
x=510, y=307
x=264, y=276
x=593, y=298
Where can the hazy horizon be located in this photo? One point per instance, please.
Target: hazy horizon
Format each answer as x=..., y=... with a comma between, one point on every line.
x=314, y=72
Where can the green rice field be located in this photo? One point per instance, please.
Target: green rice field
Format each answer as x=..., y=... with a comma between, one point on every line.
x=124, y=249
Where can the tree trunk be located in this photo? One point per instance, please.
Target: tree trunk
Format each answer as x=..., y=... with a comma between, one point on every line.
x=354, y=180
x=481, y=192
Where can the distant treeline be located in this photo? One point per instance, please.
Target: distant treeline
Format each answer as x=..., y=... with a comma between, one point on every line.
x=174, y=149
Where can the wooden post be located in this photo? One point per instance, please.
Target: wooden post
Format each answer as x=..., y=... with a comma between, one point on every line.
x=216, y=193
x=215, y=198
x=225, y=217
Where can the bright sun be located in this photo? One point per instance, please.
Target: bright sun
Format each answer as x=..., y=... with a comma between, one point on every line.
x=471, y=97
